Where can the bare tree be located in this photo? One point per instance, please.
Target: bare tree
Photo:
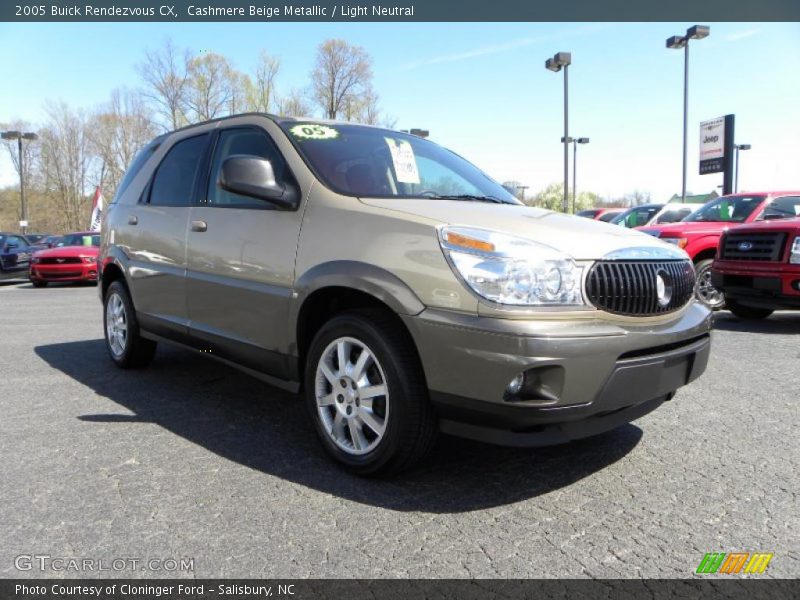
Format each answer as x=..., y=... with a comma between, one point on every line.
x=67, y=162
x=294, y=104
x=166, y=77
x=118, y=130
x=261, y=96
x=210, y=88
x=342, y=72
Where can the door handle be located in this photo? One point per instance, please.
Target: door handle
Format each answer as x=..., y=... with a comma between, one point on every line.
x=199, y=226
x=133, y=220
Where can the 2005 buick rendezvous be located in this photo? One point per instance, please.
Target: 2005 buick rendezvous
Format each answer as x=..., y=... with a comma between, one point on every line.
x=402, y=290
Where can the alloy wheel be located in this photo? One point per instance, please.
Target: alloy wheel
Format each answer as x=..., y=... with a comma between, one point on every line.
x=352, y=396
x=116, y=325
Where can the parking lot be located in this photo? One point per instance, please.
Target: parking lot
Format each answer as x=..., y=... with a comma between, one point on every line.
x=192, y=459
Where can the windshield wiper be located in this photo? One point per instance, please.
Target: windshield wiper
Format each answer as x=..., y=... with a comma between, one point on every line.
x=470, y=197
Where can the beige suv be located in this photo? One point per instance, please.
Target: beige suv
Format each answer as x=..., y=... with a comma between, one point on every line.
x=395, y=285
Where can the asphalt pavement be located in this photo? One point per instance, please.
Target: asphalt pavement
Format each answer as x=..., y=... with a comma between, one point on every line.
x=193, y=460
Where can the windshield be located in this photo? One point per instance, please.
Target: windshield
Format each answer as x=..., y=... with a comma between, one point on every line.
x=728, y=209
x=636, y=216
x=365, y=161
x=80, y=239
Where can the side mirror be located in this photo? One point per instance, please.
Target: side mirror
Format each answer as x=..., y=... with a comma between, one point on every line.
x=253, y=176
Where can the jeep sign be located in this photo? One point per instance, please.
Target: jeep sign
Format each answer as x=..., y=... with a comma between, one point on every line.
x=712, y=146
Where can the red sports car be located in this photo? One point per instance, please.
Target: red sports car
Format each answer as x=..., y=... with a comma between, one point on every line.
x=74, y=258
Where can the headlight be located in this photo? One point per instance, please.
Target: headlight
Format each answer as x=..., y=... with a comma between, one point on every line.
x=35, y=259
x=679, y=242
x=794, y=257
x=89, y=259
x=511, y=270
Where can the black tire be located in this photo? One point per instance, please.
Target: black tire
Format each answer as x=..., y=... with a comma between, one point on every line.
x=38, y=283
x=411, y=427
x=136, y=351
x=703, y=291
x=747, y=312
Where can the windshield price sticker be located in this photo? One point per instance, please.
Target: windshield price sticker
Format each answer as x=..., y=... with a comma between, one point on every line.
x=314, y=132
x=405, y=164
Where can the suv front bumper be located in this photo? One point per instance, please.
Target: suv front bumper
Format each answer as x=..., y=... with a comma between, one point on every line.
x=601, y=373
x=763, y=285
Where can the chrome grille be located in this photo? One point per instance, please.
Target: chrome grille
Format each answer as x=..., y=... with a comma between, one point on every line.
x=63, y=260
x=632, y=287
x=754, y=246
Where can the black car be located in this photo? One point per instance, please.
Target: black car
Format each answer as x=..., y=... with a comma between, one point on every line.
x=15, y=256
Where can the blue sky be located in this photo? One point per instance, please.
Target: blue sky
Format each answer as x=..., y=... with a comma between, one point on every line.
x=482, y=89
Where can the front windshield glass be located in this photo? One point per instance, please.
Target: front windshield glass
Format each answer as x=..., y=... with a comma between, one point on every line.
x=636, y=216
x=728, y=209
x=366, y=161
x=80, y=239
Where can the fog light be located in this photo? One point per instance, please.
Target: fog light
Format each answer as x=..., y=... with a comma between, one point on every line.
x=515, y=385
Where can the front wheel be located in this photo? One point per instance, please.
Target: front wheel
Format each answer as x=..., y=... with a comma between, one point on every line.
x=703, y=290
x=38, y=283
x=747, y=312
x=126, y=346
x=367, y=395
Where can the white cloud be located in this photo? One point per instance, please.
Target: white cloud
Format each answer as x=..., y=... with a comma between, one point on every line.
x=490, y=49
x=740, y=35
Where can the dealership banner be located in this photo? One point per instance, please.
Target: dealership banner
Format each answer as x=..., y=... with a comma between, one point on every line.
x=399, y=589
x=400, y=10
x=712, y=146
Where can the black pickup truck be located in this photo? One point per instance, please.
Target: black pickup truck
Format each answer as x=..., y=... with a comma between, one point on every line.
x=15, y=256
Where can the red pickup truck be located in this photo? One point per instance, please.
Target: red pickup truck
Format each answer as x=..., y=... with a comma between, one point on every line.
x=758, y=267
x=699, y=233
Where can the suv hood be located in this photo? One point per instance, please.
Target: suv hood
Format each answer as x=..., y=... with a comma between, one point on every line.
x=583, y=239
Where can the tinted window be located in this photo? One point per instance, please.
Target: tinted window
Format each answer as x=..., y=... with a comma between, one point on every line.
x=728, y=209
x=13, y=239
x=783, y=208
x=136, y=165
x=637, y=216
x=673, y=216
x=366, y=161
x=609, y=216
x=80, y=239
x=249, y=141
x=173, y=184
x=589, y=214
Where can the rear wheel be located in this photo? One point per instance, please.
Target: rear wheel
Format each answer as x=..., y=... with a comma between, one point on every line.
x=367, y=395
x=703, y=290
x=127, y=348
x=747, y=312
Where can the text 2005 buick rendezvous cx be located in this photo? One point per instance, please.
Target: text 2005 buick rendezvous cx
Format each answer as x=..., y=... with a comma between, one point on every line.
x=395, y=284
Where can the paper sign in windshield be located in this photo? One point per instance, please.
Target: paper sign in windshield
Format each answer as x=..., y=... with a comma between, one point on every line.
x=405, y=165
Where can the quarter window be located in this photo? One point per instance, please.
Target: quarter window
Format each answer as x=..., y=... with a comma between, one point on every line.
x=173, y=184
x=249, y=141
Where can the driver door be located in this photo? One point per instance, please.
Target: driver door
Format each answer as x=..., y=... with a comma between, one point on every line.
x=241, y=256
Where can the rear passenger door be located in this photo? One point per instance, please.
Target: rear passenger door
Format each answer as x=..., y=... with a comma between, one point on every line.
x=154, y=232
x=241, y=256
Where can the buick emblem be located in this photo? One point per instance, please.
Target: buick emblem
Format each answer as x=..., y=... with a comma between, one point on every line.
x=663, y=288
x=745, y=246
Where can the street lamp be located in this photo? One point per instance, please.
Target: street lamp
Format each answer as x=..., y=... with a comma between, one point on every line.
x=555, y=64
x=736, y=166
x=575, y=142
x=676, y=42
x=19, y=136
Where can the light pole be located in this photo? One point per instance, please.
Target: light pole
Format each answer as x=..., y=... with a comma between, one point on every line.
x=575, y=142
x=676, y=42
x=739, y=147
x=555, y=64
x=19, y=136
